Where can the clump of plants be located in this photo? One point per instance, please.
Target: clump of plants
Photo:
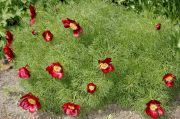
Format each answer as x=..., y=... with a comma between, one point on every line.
x=169, y=8
x=83, y=56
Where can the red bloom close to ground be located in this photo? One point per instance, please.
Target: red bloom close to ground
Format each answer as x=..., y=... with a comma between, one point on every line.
x=24, y=73
x=55, y=70
x=71, y=109
x=32, y=14
x=47, y=35
x=91, y=88
x=154, y=109
x=34, y=32
x=9, y=37
x=30, y=102
x=158, y=26
x=77, y=29
x=8, y=53
x=169, y=79
x=105, y=65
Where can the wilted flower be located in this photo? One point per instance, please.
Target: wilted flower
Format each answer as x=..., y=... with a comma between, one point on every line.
x=9, y=37
x=32, y=14
x=158, y=26
x=34, y=32
x=8, y=53
x=47, y=35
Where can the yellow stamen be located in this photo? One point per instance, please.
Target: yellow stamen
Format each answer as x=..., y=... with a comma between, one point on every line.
x=71, y=107
x=91, y=87
x=32, y=101
x=73, y=26
x=57, y=68
x=153, y=107
x=170, y=78
x=103, y=65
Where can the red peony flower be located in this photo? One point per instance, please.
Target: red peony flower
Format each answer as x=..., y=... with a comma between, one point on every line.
x=34, y=32
x=91, y=88
x=105, y=65
x=32, y=14
x=55, y=70
x=77, y=29
x=154, y=109
x=9, y=37
x=23, y=72
x=30, y=102
x=71, y=109
x=158, y=26
x=48, y=36
x=169, y=79
x=8, y=53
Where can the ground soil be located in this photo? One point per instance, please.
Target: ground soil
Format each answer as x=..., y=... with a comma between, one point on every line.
x=10, y=91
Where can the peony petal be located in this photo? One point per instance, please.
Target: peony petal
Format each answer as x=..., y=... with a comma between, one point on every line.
x=153, y=102
x=9, y=37
x=158, y=26
x=47, y=35
x=74, y=112
x=66, y=23
x=21, y=104
x=161, y=111
x=34, y=32
x=154, y=114
x=169, y=84
x=57, y=75
x=24, y=73
x=148, y=111
x=26, y=105
x=38, y=104
x=76, y=33
x=32, y=109
x=32, y=11
x=109, y=69
x=32, y=21
x=68, y=111
x=108, y=60
x=9, y=54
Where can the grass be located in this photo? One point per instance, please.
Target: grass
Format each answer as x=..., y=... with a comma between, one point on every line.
x=141, y=56
x=168, y=8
